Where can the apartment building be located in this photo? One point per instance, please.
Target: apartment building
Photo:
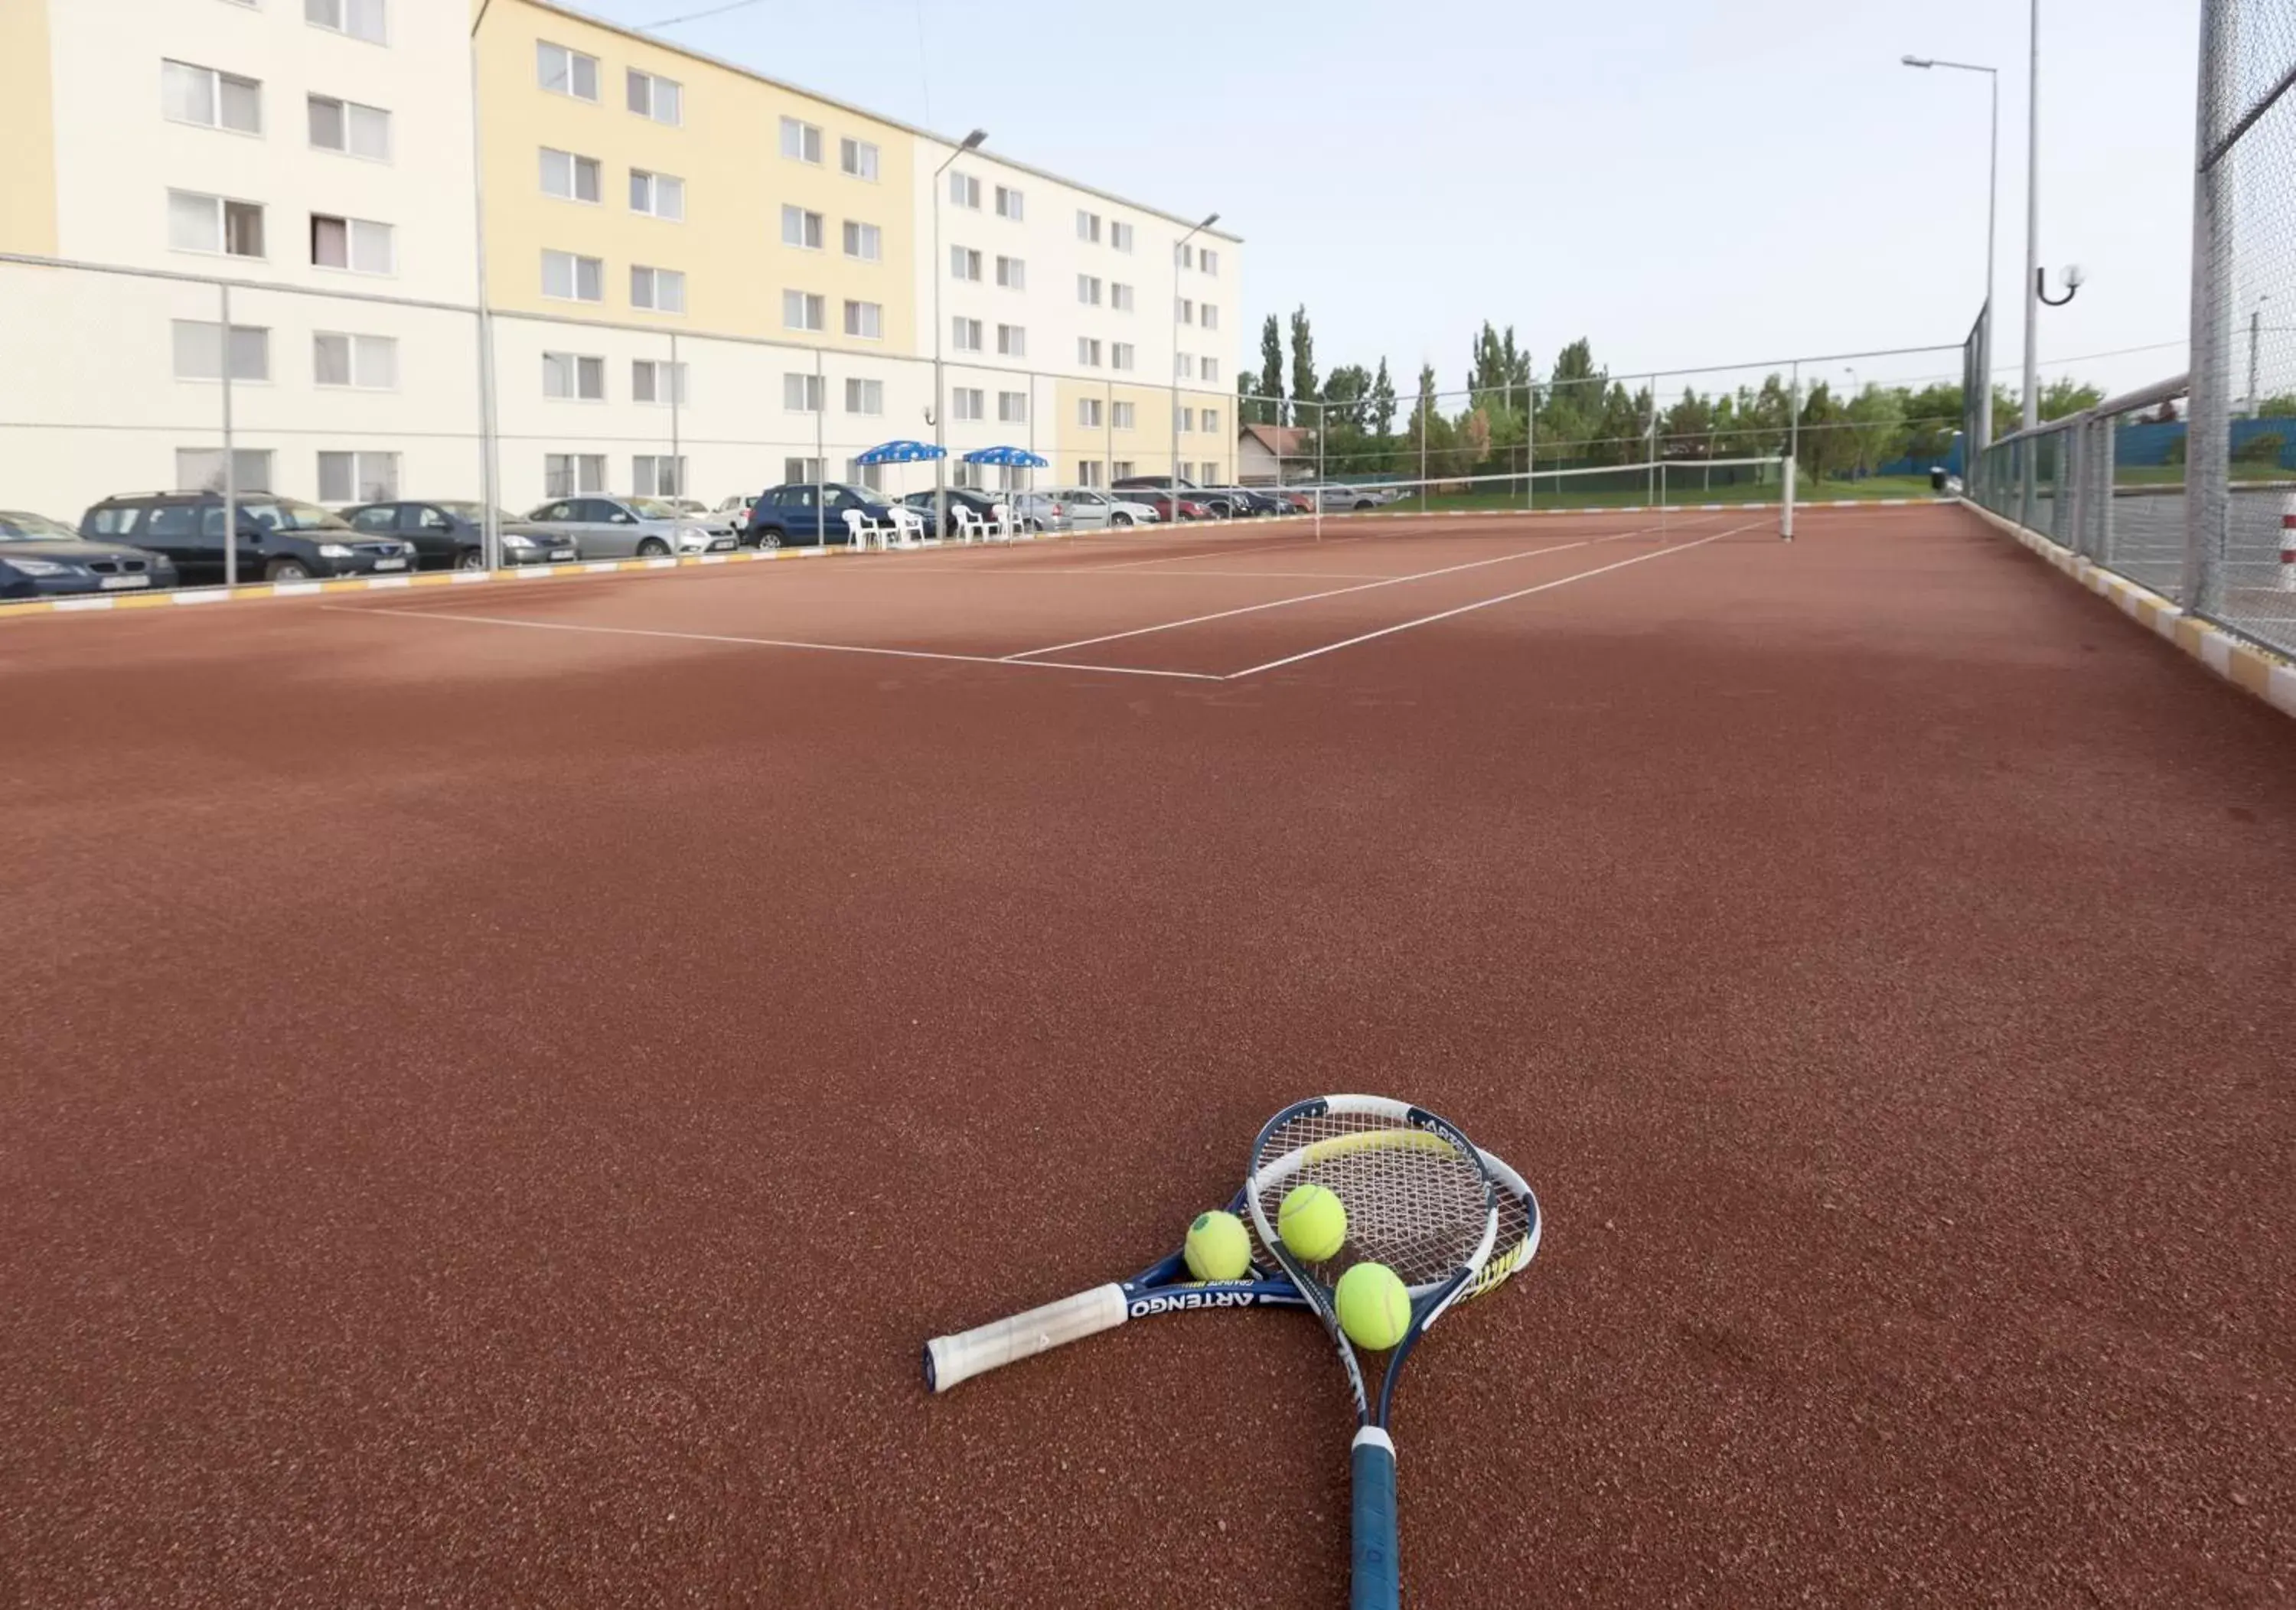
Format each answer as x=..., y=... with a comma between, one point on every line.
x=701, y=279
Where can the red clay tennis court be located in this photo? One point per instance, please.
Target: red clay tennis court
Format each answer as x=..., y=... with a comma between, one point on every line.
x=503, y=1079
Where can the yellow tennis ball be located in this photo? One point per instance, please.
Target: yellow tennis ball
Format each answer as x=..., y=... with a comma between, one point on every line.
x=1312, y=1222
x=1216, y=1249
x=1374, y=1306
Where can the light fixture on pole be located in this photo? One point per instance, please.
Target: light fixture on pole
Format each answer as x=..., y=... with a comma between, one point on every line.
x=1177, y=247
x=1992, y=216
x=939, y=409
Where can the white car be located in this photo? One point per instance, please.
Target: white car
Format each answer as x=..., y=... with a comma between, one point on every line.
x=1089, y=508
x=1343, y=497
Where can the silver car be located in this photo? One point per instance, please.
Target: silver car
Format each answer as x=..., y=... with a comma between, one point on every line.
x=1089, y=508
x=630, y=527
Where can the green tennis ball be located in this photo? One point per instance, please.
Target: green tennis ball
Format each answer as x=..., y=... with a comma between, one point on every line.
x=1374, y=1306
x=1216, y=1249
x=1312, y=1222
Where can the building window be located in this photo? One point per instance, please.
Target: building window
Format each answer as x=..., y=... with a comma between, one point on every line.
x=569, y=374
x=1184, y=367
x=968, y=403
x=1210, y=261
x=1211, y=472
x=201, y=469
x=1211, y=371
x=964, y=264
x=1088, y=226
x=657, y=381
x=801, y=142
x=209, y=99
x=350, y=129
x=1184, y=310
x=801, y=392
x=565, y=72
x=572, y=474
x=1088, y=412
x=864, y=396
x=1013, y=273
x=803, y=229
x=365, y=362
x=210, y=224
x=1120, y=236
x=1184, y=255
x=961, y=474
x=566, y=278
x=864, y=241
x=1121, y=469
x=1010, y=204
x=657, y=475
x=858, y=158
x=803, y=310
x=964, y=190
x=1012, y=407
x=1126, y=413
x=1186, y=420
x=199, y=347
x=660, y=290
x=358, y=478
x=858, y=474
x=1211, y=420
x=659, y=196
x=1089, y=472
x=1011, y=341
x=801, y=471
x=1088, y=290
x=1121, y=355
x=361, y=245
x=1088, y=352
x=366, y=19
x=1208, y=317
x=865, y=320
x=964, y=334
x=660, y=99
x=570, y=177
x=1120, y=297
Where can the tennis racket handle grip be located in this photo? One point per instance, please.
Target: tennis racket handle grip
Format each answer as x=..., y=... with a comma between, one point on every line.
x=949, y=1359
x=1376, y=1583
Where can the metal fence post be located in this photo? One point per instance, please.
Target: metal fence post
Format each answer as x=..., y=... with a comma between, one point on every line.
x=677, y=389
x=2208, y=425
x=230, y=456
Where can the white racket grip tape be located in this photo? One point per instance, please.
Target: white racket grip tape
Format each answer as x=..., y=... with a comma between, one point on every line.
x=949, y=1359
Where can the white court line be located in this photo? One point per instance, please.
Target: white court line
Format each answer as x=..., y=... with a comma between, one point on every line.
x=770, y=643
x=1147, y=576
x=1308, y=598
x=1429, y=620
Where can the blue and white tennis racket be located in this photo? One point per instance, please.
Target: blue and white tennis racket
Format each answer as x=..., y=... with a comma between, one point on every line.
x=1166, y=1286
x=1420, y=1199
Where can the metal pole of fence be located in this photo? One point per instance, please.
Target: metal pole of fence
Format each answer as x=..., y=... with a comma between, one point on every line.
x=1793, y=421
x=1786, y=506
x=820, y=400
x=1530, y=448
x=1650, y=448
x=2207, y=424
x=677, y=386
x=1426, y=411
x=489, y=428
x=230, y=457
x=2033, y=224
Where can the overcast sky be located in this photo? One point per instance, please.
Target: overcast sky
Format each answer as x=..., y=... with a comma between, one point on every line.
x=1682, y=182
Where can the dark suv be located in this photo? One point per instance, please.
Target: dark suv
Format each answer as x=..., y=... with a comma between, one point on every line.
x=280, y=538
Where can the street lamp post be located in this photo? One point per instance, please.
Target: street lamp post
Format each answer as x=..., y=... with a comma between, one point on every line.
x=940, y=389
x=1176, y=248
x=489, y=449
x=2033, y=223
x=1992, y=218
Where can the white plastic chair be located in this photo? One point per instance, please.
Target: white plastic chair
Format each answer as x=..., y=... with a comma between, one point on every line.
x=908, y=525
x=969, y=529
x=860, y=529
x=1001, y=528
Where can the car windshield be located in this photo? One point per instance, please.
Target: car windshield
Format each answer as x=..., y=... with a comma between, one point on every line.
x=285, y=514
x=653, y=508
x=475, y=512
x=20, y=527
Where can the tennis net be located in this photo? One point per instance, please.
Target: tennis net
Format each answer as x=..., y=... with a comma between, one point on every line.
x=1656, y=492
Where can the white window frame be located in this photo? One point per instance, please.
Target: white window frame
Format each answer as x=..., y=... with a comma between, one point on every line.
x=355, y=231
x=864, y=395
x=1123, y=416
x=361, y=355
x=1012, y=203
x=1210, y=417
x=655, y=371
x=348, y=111
x=858, y=158
x=1012, y=407
x=250, y=468
x=1088, y=290
x=858, y=234
x=865, y=320
x=1121, y=298
x=1011, y=340
x=1119, y=236
x=361, y=461
x=575, y=263
x=575, y=165
x=1208, y=372
x=221, y=207
x=224, y=349
x=655, y=85
x=964, y=190
x=804, y=472
x=658, y=188
x=811, y=307
x=807, y=138
x=1089, y=473
x=1123, y=355
x=347, y=12
x=968, y=403
x=213, y=81
x=1208, y=261
x=964, y=334
x=1088, y=226
x=810, y=228
x=1013, y=272
x=803, y=391
x=647, y=479
x=665, y=289
x=1088, y=413
x=585, y=475
x=575, y=370
x=572, y=60
x=965, y=264
x=1088, y=352
x=1206, y=316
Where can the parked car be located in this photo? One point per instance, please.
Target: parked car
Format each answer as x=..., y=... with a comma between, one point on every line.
x=279, y=539
x=626, y=527
x=1152, y=483
x=1190, y=509
x=1041, y=511
x=451, y=534
x=735, y=512
x=1089, y=508
x=41, y=558
x=1341, y=497
x=1237, y=503
x=791, y=516
x=983, y=506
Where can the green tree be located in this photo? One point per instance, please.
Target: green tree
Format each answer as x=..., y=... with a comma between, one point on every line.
x=1824, y=450
x=1876, y=418
x=1687, y=430
x=2066, y=396
x=1304, y=388
x=1249, y=408
x=1271, y=370
x=1381, y=414
x=1932, y=416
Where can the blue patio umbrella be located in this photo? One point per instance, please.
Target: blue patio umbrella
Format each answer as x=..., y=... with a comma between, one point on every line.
x=900, y=452
x=1020, y=458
